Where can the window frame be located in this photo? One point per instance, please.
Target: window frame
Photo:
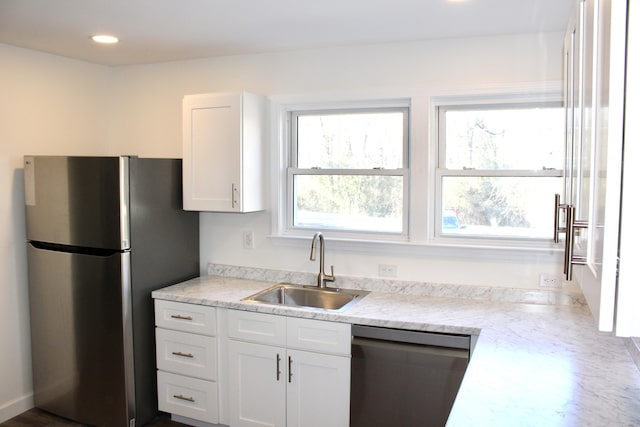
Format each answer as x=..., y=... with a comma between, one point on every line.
x=291, y=156
x=441, y=171
x=421, y=239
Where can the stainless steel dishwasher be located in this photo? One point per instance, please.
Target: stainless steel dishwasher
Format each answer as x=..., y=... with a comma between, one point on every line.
x=405, y=378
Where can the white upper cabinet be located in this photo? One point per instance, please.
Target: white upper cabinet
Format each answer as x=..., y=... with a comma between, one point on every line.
x=224, y=140
x=595, y=52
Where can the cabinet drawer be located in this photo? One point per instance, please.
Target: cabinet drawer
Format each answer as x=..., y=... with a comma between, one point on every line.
x=180, y=316
x=319, y=336
x=187, y=354
x=188, y=397
x=257, y=327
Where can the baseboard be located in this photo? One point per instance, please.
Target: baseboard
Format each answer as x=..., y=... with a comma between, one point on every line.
x=15, y=407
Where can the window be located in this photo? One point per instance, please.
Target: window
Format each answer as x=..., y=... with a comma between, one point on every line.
x=348, y=170
x=498, y=169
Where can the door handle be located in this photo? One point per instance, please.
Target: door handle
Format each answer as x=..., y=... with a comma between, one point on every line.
x=290, y=370
x=278, y=371
x=557, y=229
x=234, y=196
x=569, y=258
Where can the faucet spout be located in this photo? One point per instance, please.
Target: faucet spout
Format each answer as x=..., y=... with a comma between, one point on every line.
x=322, y=277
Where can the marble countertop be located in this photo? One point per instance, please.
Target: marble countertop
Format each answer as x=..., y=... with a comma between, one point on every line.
x=533, y=364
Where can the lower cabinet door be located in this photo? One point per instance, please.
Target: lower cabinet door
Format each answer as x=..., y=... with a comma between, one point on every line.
x=317, y=389
x=257, y=385
x=188, y=397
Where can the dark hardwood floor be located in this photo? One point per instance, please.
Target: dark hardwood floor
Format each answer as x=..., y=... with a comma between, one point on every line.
x=38, y=418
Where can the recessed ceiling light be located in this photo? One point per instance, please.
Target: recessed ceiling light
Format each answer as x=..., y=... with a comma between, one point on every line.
x=105, y=39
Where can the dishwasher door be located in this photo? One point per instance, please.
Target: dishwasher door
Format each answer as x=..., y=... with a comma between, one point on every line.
x=405, y=378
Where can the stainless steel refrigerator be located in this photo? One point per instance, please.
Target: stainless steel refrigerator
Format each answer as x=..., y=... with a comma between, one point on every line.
x=103, y=232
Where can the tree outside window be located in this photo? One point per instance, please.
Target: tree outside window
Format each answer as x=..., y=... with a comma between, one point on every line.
x=499, y=167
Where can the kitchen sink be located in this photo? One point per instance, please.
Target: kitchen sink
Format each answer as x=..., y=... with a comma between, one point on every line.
x=287, y=294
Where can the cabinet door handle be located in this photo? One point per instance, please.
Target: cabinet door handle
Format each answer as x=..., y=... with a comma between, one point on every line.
x=278, y=372
x=181, y=317
x=234, y=196
x=290, y=370
x=557, y=229
x=179, y=353
x=181, y=397
x=569, y=259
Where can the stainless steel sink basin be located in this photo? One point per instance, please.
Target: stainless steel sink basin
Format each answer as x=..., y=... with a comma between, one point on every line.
x=308, y=297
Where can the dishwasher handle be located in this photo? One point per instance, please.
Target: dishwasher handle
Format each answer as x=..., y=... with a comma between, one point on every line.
x=454, y=353
x=412, y=337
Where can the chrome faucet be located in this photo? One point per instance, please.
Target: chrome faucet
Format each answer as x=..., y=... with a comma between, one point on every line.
x=322, y=277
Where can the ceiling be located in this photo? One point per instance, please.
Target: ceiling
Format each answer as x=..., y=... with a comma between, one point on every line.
x=154, y=31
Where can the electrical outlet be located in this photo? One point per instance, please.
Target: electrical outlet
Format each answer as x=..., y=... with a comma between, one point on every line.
x=247, y=239
x=550, y=281
x=387, y=270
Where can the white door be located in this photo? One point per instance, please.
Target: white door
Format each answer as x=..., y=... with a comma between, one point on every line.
x=257, y=385
x=597, y=152
x=317, y=389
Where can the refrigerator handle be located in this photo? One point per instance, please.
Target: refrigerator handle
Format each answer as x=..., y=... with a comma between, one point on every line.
x=125, y=232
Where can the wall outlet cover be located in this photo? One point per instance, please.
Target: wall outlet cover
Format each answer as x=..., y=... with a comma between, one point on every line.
x=247, y=239
x=387, y=270
x=550, y=281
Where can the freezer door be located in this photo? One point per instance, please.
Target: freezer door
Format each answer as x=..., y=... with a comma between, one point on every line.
x=78, y=201
x=81, y=335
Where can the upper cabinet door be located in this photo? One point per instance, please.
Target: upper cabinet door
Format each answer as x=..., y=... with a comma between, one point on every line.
x=570, y=102
x=223, y=152
x=596, y=149
x=628, y=295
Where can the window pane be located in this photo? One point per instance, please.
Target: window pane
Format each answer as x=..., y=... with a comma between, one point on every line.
x=499, y=206
x=522, y=138
x=351, y=140
x=348, y=202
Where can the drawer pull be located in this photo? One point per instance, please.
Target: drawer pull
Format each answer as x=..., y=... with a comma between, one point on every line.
x=181, y=317
x=179, y=353
x=181, y=397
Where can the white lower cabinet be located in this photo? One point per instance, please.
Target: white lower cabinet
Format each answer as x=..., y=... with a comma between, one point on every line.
x=257, y=386
x=288, y=371
x=317, y=389
x=187, y=360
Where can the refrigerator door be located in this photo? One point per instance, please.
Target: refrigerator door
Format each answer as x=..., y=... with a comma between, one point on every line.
x=81, y=335
x=78, y=201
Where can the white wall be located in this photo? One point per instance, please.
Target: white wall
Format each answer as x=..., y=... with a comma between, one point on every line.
x=48, y=105
x=148, y=108
x=53, y=105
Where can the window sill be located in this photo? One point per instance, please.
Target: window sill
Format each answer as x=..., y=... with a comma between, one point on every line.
x=458, y=249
